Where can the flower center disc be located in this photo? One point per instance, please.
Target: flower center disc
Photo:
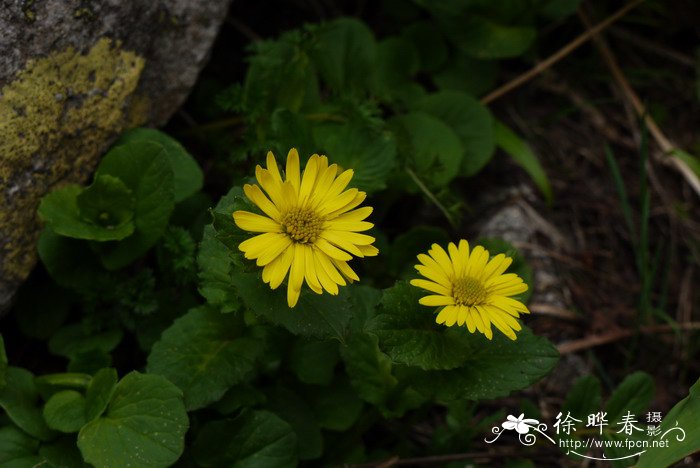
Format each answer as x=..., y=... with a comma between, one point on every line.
x=468, y=291
x=302, y=225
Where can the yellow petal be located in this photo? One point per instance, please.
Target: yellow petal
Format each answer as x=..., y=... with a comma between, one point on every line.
x=275, y=248
x=271, y=186
x=462, y=315
x=434, y=274
x=436, y=300
x=256, y=195
x=296, y=276
x=359, y=198
x=477, y=262
x=430, y=286
x=352, y=237
x=340, y=241
x=323, y=277
x=308, y=179
x=331, y=250
x=496, y=266
x=279, y=267
x=292, y=173
x=256, y=245
x=510, y=305
x=255, y=223
x=368, y=250
x=339, y=184
x=442, y=259
x=429, y=262
x=457, y=260
x=353, y=226
x=486, y=321
x=335, y=203
x=272, y=167
x=448, y=316
x=310, y=271
x=355, y=215
x=345, y=270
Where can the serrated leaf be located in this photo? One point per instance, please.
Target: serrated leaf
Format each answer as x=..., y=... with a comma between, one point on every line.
x=20, y=400
x=313, y=361
x=147, y=415
x=686, y=416
x=521, y=153
x=204, y=354
x=344, y=54
x=59, y=209
x=492, y=369
x=317, y=316
x=253, y=439
x=368, y=152
x=142, y=166
x=634, y=394
x=99, y=392
x=65, y=411
x=408, y=333
x=187, y=175
x=470, y=120
x=214, y=257
x=433, y=150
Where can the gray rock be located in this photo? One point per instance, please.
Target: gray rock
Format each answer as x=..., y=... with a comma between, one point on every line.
x=73, y=76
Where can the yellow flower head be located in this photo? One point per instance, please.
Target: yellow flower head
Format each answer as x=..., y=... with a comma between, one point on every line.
x=311, y=225
x=471, y=289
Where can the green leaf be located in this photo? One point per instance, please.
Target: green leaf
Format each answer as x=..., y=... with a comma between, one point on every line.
x=367, y=151
x=292, y=130
x=317, y=316
x=238, y=397
x=431, y=147
x=143, y=166
x=429, y=43
x=67, y=262
x=61, y=453
x=17, y=449
x=60, y=210
x=65, y=411
x=336, y=406
x=214, y=260
x=483, y=38
x=296, y=412
x=253, y=439
x=396, y=64
x=686, y=416
x=634, y=394
x=204, y=354
x=107, y=203
x=187, y=175
x=470, y=75
x=557, y=9
x=313, y=361
x=72, y=340
x=3, y=363
x=99, y=393
x=492, y=368
x=144, y=425
x=20, y=400
x=521, y=153
x=583, y=398
x=470, y=120
x=344, y=54
x=369, y=368
x=409, y=335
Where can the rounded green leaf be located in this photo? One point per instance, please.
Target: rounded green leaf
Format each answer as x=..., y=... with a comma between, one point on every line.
x=367, y=151
x=102, y=221
x=144, y=425
x=65, y=411
x=16, y=447
x=144, y=167
x=470, y=120
x=187, y=175
x=99, y=392
x=397, y=62
x=20, y=400
x=253, y=439
x=431, y=147
x=204, y=354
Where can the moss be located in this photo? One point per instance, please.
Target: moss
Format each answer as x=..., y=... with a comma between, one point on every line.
x=55, y=119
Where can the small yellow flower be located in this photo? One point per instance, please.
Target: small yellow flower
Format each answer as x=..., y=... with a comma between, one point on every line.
x=311, y=225
x=471, y=289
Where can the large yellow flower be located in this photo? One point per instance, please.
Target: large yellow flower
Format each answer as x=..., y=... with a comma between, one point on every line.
x=471, y=289
x=311, y=225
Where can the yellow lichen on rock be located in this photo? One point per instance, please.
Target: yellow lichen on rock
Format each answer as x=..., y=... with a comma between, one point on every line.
x=56, y=117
